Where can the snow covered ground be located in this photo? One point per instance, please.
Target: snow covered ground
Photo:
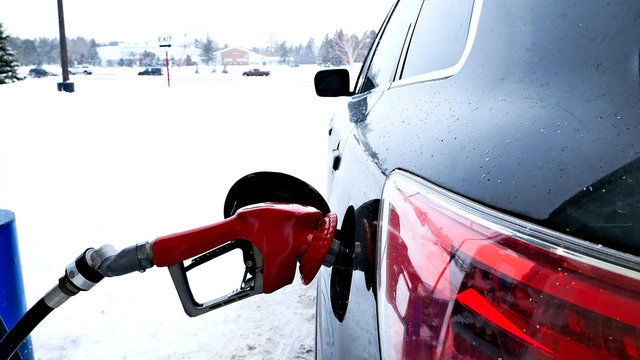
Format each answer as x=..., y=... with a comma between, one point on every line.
x=126, y=159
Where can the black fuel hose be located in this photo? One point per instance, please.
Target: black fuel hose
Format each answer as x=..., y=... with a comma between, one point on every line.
x=10, y=343
x=81, y=275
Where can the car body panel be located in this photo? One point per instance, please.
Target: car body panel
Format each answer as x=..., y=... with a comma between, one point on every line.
x=335, y=338
x=522, y=144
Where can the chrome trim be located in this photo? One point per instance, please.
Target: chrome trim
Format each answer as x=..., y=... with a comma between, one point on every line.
x=55, y=297
x=77, y=279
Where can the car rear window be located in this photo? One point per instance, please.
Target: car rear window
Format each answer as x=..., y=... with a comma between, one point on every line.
x=387, y=54
x=440, y=36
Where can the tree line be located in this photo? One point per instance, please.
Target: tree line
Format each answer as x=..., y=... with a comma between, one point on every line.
x=346, y=48
x=339, y=49
x=47, y=51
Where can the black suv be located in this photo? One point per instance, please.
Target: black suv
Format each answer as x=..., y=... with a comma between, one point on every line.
x=38, y=72
x=151, y=71
x=486, y=172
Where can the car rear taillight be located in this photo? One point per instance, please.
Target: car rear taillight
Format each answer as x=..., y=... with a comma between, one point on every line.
x=457, y=280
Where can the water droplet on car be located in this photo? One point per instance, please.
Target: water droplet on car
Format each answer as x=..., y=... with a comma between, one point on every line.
x=621, y=207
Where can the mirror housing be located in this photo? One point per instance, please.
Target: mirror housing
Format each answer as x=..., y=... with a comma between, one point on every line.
x=332, y=83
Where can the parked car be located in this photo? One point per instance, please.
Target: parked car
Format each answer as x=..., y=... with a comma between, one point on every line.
x=39, y=72
x=157, y=71
x=81, y=69
x=486, y=173
x=256, y=72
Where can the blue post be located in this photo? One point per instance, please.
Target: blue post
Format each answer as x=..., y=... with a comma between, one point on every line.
x=12, y=299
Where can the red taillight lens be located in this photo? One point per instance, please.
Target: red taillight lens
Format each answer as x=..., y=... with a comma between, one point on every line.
x=457, y=280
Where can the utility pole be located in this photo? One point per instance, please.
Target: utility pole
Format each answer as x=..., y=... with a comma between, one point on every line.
x=65, y=85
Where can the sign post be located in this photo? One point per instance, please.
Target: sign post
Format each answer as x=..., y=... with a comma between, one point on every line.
x=165, y=42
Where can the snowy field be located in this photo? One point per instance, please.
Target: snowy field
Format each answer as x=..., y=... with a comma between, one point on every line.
x=126, y=159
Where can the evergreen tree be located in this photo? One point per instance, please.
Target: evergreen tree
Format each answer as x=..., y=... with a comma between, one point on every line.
x=14, y=44
x=8, y=61
x=309, y=53
x=207, y=51
x=92, y=53
x=48, y=50
x=147, y=58
x=328, y=52
x=29, y=52
x=283, y=52
x=296, y=54
x=370, y=37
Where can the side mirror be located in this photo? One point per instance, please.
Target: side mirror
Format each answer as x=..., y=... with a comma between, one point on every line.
x=332, y=83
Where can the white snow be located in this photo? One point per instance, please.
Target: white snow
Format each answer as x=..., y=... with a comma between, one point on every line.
x=126, y=159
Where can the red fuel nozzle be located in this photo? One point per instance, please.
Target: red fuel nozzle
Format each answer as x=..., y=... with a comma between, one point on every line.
x=282, y=233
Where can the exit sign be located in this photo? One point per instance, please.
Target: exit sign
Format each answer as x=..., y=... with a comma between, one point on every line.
x=164, y=41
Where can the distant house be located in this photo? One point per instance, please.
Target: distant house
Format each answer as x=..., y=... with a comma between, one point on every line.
x=234, y=56
x=240, y=56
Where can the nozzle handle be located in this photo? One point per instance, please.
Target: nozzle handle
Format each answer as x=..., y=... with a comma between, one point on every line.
x=282, y=233
x=172, y=249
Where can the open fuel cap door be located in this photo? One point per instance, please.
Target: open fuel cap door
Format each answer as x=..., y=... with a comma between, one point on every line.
x=261, y=187
x=257, y=188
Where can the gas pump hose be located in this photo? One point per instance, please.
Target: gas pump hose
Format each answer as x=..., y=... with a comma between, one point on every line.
x=81, y=275
x=283, y=235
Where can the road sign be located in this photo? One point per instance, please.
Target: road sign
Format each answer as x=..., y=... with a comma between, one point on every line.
x=164, y=41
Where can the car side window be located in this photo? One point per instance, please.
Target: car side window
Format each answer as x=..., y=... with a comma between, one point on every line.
x=439, y=37
x=386, y=55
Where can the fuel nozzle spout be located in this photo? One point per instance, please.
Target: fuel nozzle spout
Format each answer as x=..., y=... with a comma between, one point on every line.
x=273, y=237
x=338, y=256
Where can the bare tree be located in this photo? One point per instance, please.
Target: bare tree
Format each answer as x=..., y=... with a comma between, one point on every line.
x=350, y=47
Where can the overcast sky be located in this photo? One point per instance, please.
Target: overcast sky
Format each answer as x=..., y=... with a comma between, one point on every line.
x=237, y=23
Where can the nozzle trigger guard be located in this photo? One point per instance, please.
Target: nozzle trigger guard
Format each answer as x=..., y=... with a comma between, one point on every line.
x=252, y=281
